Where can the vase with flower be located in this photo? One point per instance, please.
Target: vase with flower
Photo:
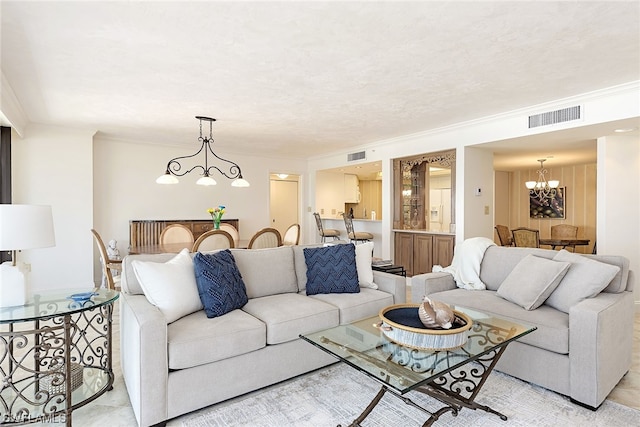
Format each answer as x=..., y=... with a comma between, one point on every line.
x=216, y=215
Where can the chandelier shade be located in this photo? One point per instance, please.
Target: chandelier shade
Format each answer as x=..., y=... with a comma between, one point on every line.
x=542, y=188
x=230, y=171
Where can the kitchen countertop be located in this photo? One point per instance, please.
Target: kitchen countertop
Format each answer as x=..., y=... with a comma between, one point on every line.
x=411, y=230
x=355, y=219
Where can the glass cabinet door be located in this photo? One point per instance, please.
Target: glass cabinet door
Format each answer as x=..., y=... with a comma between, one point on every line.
x=418, y=206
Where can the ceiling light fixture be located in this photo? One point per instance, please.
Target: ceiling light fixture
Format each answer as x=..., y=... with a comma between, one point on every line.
x=542, y=189
x=174, y=167
x=282, y=175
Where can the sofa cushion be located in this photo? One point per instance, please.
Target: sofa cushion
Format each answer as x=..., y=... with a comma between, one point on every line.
x=196, y=340
x=331, y=269
x=586, y=278
x=289, y=315
x=301, y=265
x=366, y=303
x=364, y=257
x=499, y=261
x=532, y=280
x=553, y=325
x=619, y=282
x=220, y=284
x=129, y=282
x=170, y=286
x=267, y=271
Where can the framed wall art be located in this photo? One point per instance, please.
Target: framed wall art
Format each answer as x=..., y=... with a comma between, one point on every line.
x=549, y=207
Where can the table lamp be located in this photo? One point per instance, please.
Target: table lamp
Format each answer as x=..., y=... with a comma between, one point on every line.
x=21, y=227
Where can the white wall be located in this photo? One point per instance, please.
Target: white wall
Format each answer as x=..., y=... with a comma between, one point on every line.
x=125, y=188
x=53, y=166
x=329, y=196
x=618, y=226
x=477, y=209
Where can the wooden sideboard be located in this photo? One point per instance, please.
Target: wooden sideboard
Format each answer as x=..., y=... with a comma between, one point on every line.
x=418, y=252
x=147, y=231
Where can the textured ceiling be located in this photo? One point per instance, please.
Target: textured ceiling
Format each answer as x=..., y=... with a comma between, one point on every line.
x=305, y=78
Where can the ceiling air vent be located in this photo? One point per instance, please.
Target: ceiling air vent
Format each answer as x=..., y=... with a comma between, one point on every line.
x=360, y=155
x=553, y=117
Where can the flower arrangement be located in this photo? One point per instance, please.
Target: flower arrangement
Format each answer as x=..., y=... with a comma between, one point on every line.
x=216, y=215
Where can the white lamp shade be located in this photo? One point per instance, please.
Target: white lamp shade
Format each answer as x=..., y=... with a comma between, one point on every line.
x=206, y=180
x=25, y=227
x=167, y=178
x=554, y=184
x=530, y=184
x=240, y=182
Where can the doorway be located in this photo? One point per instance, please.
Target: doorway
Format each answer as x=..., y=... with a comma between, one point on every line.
x=284, y=201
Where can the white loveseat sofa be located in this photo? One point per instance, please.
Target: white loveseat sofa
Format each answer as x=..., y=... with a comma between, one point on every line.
x=581, y=350
x=195, y=361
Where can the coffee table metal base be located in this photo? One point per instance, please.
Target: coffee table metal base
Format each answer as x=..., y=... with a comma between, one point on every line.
x=448, y=389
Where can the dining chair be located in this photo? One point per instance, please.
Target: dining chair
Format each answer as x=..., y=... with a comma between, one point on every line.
x=176, y=233
x=325, y=232
x=212, y=240
x=355, y=236
x=265, y=238
x=111, y=268
x=565, y=231
x=235, y=234
x=292, y=235
x=526, y=237
x=504, y=234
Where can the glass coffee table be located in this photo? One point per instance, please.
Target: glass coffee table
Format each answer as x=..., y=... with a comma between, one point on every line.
x=453, y=377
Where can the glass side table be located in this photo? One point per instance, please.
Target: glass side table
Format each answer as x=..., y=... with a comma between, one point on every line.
x=55, y=355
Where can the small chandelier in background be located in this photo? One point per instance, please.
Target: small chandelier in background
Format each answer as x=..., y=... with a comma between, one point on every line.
x=542, y=189
x=174, y=166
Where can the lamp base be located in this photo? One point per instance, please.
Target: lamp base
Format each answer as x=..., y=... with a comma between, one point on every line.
x=13, y=284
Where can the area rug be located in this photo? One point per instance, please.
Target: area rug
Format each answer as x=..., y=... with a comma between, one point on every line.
x=338, y=394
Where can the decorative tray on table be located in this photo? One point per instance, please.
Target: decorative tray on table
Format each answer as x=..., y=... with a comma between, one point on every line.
x=401, y=324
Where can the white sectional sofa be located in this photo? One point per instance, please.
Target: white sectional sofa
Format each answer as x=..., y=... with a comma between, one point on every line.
x=195, y=361
x=583, y=344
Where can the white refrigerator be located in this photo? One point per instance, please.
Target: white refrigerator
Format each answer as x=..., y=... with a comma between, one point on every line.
x=439, y=212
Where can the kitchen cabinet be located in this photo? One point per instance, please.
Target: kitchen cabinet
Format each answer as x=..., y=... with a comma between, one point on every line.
x=370, y=200
x=419, y=252
x=351, y=188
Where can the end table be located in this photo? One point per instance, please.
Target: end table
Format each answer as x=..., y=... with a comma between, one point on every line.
x=55, y=355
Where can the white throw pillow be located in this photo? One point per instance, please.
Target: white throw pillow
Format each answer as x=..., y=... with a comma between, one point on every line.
x=364, y=255
x=586, y=278
x=170, y=286
x=532, y=280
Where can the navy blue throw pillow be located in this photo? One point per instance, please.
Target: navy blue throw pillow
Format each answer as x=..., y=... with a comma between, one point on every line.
x=220, y=284
x=331, y=270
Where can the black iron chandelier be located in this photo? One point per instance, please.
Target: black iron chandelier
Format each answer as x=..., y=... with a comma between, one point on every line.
x=174, y=167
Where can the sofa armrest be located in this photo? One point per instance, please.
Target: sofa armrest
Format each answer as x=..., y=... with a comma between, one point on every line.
x=393, y=284
x=600, y=345
x=430, y=283
x=143, y=357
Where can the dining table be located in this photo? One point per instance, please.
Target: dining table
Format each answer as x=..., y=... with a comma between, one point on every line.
x=563, y=242
x=164, y=248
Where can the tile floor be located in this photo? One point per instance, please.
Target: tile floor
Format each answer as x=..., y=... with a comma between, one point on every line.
x=114, y=409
